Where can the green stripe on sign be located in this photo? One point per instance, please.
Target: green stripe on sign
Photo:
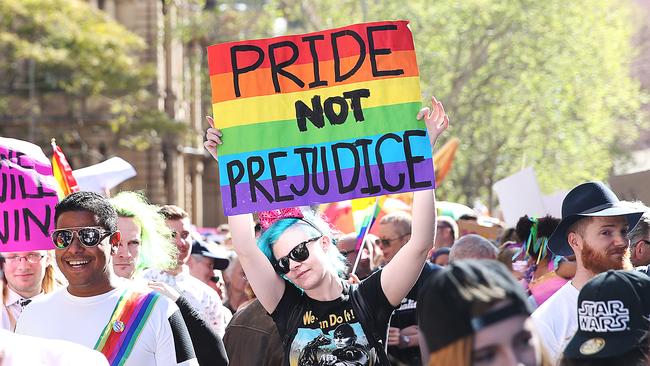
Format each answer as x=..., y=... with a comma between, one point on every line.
x=283, y=134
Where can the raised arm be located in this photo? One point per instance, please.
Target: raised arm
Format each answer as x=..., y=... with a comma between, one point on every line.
x=266, y=284
x=401, y=273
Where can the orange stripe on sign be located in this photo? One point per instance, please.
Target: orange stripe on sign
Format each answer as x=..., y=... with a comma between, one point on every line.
x=259, y=82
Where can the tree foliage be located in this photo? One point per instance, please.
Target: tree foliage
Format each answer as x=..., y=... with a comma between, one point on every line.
x=526, y=83
x=78, y=52
x=77, y=49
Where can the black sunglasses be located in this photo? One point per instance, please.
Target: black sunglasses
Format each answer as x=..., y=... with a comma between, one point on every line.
x=88, y=236
x=386, y=242
x=299, y=253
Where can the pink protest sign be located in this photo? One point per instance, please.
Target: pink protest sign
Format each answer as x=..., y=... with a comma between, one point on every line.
x=27, y=197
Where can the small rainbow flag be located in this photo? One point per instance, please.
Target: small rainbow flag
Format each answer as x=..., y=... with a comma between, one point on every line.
x=319, y=117
x=367, y=210
x=62, y=172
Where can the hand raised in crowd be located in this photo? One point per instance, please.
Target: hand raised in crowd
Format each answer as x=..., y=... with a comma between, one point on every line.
x=164, y=289
x=435, y=119
x=213, y=138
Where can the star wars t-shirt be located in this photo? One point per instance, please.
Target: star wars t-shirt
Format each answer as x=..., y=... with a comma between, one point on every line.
x=329, y=332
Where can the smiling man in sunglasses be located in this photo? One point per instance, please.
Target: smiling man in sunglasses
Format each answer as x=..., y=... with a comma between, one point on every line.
x=129, y=326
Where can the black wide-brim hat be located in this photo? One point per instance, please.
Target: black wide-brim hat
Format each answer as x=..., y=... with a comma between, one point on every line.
x=588, y=199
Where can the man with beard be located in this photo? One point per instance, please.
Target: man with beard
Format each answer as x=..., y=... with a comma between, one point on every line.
x=594, y=226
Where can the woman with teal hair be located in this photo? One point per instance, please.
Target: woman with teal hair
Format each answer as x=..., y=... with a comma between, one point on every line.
x=146, y=239
x=296, y=273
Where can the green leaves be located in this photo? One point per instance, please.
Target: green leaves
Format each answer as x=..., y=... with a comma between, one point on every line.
x=526, y=83
x=77, y=49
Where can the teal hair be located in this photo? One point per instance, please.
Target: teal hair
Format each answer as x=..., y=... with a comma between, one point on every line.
x=157, y=249
x=335, y=261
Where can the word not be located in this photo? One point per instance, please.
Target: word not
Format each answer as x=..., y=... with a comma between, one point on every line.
x=315, y=113
x=278, y=68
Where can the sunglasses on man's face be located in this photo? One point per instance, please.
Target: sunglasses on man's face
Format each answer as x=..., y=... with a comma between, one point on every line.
x=88, y=236
x=299, y=253
x=386, y=242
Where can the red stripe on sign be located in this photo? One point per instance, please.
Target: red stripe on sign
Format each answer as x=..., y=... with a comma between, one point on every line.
x=348, y=41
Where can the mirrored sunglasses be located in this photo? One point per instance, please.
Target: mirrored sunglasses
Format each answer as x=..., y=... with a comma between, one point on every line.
x=88, y=236
x=299, y=253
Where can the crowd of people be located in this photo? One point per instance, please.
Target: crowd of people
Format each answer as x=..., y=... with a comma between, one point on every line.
x=133, y=283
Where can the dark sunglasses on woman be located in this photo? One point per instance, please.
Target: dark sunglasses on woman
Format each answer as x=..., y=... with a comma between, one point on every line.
x=88, y=236
x=299, y=253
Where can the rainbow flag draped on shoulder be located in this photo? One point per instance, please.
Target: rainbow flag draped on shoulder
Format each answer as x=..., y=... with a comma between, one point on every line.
x=319, y=117
x=125, y=325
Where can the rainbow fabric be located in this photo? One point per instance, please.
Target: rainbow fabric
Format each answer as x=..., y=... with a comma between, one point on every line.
x=320, y=117
x=62, y=172
x=364, y=213
x=117, y=339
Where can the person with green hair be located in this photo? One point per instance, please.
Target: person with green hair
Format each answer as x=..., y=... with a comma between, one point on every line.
x=146, y=239
x=146, y=242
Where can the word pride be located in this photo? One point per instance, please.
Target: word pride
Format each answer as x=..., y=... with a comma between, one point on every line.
x=320, y=117
x=603, y=316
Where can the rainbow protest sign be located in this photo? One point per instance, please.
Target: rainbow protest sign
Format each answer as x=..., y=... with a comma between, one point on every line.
x=319, y=117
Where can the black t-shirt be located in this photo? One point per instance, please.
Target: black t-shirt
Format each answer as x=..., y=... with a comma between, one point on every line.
x=328, y=332
x=404, y=316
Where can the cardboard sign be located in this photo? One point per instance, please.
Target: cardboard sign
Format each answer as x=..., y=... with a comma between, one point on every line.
x=466, y=227
x=27, y=197
x=632, y=187
x=320, y=117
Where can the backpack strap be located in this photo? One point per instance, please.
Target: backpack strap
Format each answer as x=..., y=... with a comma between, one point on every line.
x=366, y=319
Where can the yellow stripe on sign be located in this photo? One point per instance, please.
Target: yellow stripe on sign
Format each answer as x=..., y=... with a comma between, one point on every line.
x=279, y=107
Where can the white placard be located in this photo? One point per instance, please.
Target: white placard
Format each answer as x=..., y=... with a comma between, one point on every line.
x=519, y=195
x=104, y=176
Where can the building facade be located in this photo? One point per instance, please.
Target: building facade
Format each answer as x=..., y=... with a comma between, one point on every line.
x=175, y=169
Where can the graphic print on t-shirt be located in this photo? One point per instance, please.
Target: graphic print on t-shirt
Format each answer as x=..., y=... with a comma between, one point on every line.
x=337, y=340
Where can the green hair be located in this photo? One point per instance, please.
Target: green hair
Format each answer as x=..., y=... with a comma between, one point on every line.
x=157, y=249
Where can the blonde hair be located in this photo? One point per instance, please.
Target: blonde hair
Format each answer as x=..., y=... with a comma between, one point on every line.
x=50, y=281
x=458, y=353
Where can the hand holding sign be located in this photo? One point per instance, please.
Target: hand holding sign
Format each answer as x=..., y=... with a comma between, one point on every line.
x=328, y=117
x=436, y=120
x=213, y=138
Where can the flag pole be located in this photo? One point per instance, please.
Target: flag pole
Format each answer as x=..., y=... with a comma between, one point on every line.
x=363, y=240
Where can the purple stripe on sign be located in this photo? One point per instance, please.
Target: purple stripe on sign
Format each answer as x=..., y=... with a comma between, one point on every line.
x=393, y=178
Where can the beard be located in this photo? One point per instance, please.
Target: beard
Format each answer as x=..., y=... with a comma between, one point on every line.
x=599, y=262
